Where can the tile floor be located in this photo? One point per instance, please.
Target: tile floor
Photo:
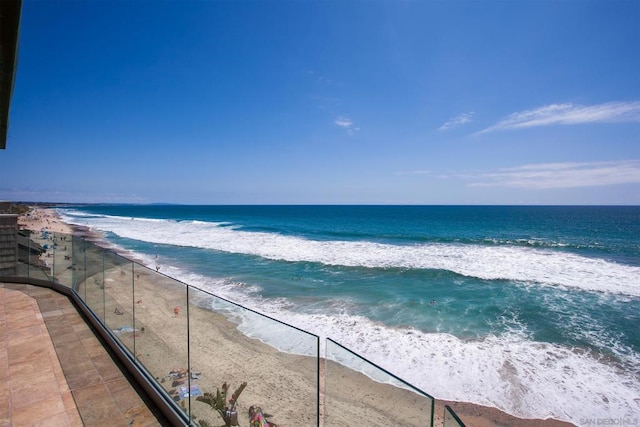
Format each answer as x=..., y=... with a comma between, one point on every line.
x=55, y=372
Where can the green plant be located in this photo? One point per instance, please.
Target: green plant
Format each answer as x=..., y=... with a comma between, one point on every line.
x=227, y=410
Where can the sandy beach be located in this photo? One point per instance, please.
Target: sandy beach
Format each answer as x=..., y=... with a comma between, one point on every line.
x=39, y=219
x=148, y=312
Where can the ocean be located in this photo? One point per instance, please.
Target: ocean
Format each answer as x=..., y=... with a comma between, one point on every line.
x=532, y=310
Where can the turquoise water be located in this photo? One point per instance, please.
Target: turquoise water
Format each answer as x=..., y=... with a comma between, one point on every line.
x=534, y=310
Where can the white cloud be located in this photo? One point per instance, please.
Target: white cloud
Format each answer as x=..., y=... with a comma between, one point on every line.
x=343, y=122
x=562, y=175
x=346, y=123
x=457, y=121
x=570, y=114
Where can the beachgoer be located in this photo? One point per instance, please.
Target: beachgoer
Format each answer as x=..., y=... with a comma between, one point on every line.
x=176, y=310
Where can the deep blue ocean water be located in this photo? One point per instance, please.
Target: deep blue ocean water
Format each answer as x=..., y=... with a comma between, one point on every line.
x=534, y=310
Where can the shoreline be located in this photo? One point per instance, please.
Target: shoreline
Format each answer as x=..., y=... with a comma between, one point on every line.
x=471, y=414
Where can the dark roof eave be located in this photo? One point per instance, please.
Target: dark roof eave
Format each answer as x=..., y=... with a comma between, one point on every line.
x=9, y=30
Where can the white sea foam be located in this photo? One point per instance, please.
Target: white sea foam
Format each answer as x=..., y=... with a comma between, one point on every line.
x=514, y=263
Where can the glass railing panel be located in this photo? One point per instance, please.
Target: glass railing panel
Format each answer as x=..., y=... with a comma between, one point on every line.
x=41, y=237
x=22, y=269
x=29, y=262
x=94, y=286
x=160, y=329
x=62, y=259
x=93, y=260
x=358, y=392
x=118, y=297
x=51, y=256
x=451, y=419
x=79, y=264
x=232, y=345
x=24, y=247
x=40, y=254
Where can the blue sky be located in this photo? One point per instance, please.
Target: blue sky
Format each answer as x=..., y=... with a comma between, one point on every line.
x=339, y=102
